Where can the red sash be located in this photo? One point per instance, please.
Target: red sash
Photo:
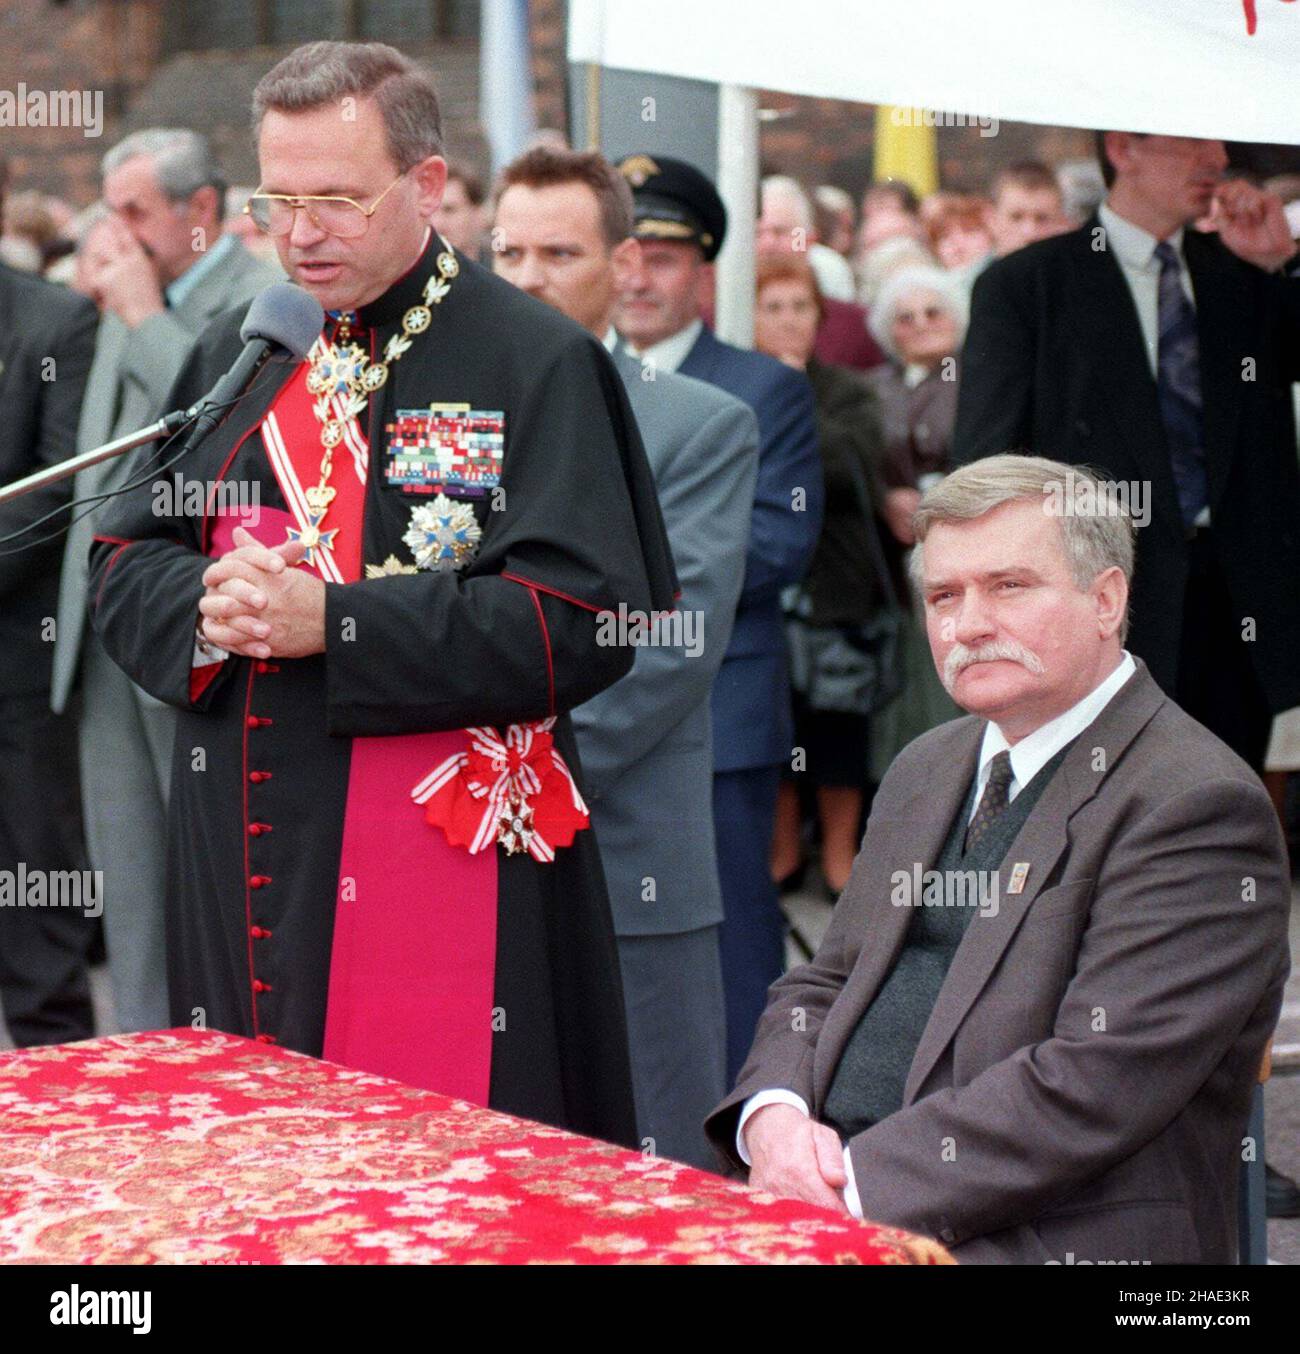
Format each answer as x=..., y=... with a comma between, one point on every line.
x=412, y=971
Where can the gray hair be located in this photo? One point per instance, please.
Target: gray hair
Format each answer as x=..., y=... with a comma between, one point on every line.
x=783, y=186
x=1093, y=542
x=183, y=161
x=883, y=260
x=909, y=278
x=321, y=73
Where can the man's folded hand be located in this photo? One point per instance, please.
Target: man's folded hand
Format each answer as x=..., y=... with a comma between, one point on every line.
x=795, y=1157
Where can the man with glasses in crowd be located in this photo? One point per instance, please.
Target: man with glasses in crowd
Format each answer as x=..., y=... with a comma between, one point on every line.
x=380, y=851
x=159, y=269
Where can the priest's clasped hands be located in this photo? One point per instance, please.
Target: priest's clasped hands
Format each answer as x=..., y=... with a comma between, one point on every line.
x=258, y=605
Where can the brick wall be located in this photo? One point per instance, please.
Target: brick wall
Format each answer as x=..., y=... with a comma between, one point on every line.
x=547, y=22
x=81, y=45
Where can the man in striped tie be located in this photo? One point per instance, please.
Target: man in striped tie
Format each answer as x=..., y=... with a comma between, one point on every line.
x=1033, y=1026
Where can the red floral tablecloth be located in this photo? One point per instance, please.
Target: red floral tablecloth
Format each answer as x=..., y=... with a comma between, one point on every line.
x=192, y=1146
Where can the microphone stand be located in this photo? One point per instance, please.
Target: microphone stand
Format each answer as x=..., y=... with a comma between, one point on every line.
x=166, y=426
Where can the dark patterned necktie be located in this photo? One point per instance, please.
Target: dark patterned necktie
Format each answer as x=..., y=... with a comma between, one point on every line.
x=1178, y=385
x=993, y=801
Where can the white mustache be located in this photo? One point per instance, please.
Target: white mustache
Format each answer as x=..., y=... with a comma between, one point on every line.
x=960, y=657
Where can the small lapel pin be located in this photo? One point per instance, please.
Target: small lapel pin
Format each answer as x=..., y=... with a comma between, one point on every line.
x=1019, y=873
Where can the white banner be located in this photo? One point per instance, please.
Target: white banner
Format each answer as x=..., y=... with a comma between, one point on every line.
x=1214, y=68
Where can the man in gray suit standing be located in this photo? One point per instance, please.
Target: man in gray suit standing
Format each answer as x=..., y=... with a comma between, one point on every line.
x=1033, y=1027
x=159, y=269
x=562, y=233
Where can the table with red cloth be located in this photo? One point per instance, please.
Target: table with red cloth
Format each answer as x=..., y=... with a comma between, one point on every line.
x=191, y=1146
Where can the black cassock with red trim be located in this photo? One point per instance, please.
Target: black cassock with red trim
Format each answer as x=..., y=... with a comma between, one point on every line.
x=366, y=847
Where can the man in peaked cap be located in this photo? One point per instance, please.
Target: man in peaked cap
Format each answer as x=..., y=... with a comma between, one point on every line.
x=675, y=201
x=681, y=223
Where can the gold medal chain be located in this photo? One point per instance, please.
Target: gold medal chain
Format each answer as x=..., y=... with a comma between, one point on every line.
x=364, y=379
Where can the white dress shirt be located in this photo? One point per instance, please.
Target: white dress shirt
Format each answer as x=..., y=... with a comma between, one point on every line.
x=1028, y=757
x=1035, y=750
x=669, y=354
x=1135, y=252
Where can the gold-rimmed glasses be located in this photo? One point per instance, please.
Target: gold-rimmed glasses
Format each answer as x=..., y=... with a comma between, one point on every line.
x=273, y=213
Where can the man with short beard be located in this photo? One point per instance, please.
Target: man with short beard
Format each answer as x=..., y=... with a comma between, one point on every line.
x=1069, y=1073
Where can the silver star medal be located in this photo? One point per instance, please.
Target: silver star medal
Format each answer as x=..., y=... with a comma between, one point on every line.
x=443, y=534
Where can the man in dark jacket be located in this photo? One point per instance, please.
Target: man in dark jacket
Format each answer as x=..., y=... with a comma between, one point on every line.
x=47, y=339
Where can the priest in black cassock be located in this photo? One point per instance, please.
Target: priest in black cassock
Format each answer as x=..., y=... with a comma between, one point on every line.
x=374, y=624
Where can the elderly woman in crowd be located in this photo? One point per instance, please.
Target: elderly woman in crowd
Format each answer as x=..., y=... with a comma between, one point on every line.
x=841, y=590
x=920, y=321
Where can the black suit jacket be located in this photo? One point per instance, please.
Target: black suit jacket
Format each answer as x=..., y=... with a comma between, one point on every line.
x=1054, y=364
x=47, y=340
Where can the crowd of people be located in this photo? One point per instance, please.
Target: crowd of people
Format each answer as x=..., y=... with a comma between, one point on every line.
x=407, y=637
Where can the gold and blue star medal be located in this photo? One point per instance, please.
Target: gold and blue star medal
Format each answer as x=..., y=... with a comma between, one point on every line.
x=443, y=534
x=336, y=372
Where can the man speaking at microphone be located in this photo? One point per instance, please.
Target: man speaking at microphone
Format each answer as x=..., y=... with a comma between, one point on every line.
x=379, y=851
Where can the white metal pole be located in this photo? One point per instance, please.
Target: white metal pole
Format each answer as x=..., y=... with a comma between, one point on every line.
x=738, y=185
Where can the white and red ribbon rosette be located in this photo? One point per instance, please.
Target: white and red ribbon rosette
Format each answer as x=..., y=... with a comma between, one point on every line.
x=514, y=788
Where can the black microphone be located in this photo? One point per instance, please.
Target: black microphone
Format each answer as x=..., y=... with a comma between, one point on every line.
x=281, y=318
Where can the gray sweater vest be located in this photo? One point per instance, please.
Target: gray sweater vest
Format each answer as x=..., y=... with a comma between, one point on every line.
x=872, y=1071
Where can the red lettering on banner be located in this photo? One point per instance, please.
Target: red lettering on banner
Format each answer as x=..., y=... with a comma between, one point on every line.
x=1252, y=19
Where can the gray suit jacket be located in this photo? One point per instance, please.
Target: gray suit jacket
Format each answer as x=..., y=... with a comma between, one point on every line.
x=645, y=743
x=1084, y=1079
x=133, y=371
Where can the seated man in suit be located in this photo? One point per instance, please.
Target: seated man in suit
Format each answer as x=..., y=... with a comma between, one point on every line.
x=1034, y=1024
x=563, y=233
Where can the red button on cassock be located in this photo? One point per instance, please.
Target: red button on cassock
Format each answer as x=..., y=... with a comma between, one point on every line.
x=260, y=986
x=259, y=933
x=257, y=777
x=266, y=1038
x=256, y=881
